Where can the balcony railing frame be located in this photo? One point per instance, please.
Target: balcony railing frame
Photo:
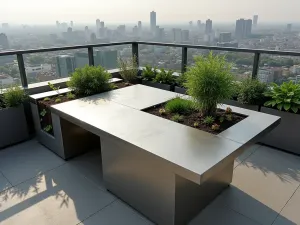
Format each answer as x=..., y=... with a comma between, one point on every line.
x=135, y=51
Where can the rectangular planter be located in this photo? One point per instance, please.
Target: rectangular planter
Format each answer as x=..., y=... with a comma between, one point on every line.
x=286, y=136
x=13, y=127
x=166, y=87
x=180, y=90
x=240, y=105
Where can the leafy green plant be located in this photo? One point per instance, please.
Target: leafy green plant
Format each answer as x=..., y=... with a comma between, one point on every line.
x=209, y=82
x=228, y=117
x=58, y=100
x=53, y=88
x=228, y=110
x=43, y=112
x=14, y=96
x=236, y=85
x=89, y=80
x=251, y=91
x=180, y=80
x=177, y=118
x=162, y=111
x=47, y=99
x=70, y=95
x=148, y=73
x=48, y=128
x=208, y=120
x=128, y=69
x=165, y=77
x=180, y=106
x=221, y=119
x=284, y=97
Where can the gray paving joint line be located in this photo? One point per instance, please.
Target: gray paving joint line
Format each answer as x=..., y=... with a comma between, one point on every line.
x=252, y=153
x=46, y=171
x=1, y=173
x=254, y=221
x=286, y=204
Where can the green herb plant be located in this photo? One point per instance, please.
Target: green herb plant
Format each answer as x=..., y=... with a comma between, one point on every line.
x=165, y=77
x=251, y=91
x=128, y=69
x=180, y=80
x=208, y=120
x=284, y=97
x=48, y=128
x=177, y=118
x=209, y=82
x=89, y=80
x=43, y=112
x=148, y=73
x=180, y=106
x=14, y=96
x=70, y=95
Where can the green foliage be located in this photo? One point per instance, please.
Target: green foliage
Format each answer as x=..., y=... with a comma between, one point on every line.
x=228, y=110
x=177, y=118
x=43, y=112
x=180, y=80
x=209, y=82
x=58, y=100
x=196, y=124
x=90, y=80
x=148, y=73
x=228, y=117
x=208, y=120
x=251, y=91
x=221, y=119
x=36, y=59
x=284, y=97
x=165, y=77
x=70, y=95
x=128, y=69
x=180, y=106
x=47, y=99
x=53, y=88
x=48, y=128
x=14, y=96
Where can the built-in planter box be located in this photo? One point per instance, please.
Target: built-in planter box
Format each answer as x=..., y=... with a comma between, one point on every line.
x=240, y=105
x=287, y=135
x=13, y=126
x=180, y=90
x=166, y=87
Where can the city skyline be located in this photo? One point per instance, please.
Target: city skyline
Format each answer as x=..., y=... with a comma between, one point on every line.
x=118, y=11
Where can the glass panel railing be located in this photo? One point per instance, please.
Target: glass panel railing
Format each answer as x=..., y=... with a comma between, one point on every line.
x=9, y=71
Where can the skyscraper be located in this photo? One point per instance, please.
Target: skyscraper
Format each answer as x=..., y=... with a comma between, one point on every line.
x=153, y=21
x=199, y=24
x=185, y=35
x=140, y=25
x=225, y=37
x=191, y=25
x=102, y=24
x=243, y=28
x=98, y=24
x=4, y=41
x=255, y=20
x=65, y=65
x=208, y=26
x=177, y=35
x=57, y=24
x=248, y=28
x=71, y=24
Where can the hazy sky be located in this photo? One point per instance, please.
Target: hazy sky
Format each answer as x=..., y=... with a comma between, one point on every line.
x=123, y=11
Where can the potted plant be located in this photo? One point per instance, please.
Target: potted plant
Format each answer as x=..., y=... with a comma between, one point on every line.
x=128, y=70
x=248, y=94
x=12, y=117
x=161, y=79
x=180, y=81
x=284, y=101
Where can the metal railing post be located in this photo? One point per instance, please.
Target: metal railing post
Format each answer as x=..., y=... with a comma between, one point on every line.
x=255, y=65
x=22, y=70
x=184, y=60
x=135, y=52
x=91, y=56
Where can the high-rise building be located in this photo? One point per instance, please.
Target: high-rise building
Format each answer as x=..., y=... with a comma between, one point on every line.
x=177, y=35
x=191, y=25
x=5, y=25
x=106, y=59
x=135, y=31
x=208, y=26
x=199, y=24
x=102, y=24
x=57, y=24
x=159, y=33
x=98, y=24
x=255, y=20
x=71, y=24
x=185, y=35
x=86, y=28
x=93, y=38
x=70, y=30
x=243, y=28
x=4, y=41
x=65, y=65
x=140, y=26
x=225, y=37
x=153, y=21
x=289, y=27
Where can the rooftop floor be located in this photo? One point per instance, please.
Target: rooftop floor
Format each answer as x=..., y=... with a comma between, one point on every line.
x=37, y=188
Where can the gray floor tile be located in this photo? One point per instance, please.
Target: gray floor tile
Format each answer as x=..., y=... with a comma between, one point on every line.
x=118, y=213
x=249, y=151
x=263, y=184
x=24, y=161
x=215, y=214
x=60, y=196
x=291, y=212
x=4, y=184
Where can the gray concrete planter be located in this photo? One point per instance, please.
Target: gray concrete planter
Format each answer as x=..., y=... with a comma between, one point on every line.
x=180, y=90
x=166, y=87
x=13, y=126
x=240, y=105
x=286, y=136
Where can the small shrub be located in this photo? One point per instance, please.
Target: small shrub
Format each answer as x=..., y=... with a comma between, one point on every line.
x=208, y=120
x=251, y=91
x=47, y=99
x=235, y=90
x=228, y=110
x=165, y=77
x=70, y=95
x=148, y=73
x=53, y=88
x=221, y=119
x=179, y=106
x=196, y=124
x=90, y=80
x=284, y=97
x=215, y=127
x=162, y=112
x=58, y=100
x=180, y=80
x=177, y=118
x=14, y=96
x=209, y=82
x=128, y=69
x=228, y=117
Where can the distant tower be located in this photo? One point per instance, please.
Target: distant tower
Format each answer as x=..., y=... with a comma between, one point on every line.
x=153, y=21
x=208, y=26
x=4, y=41
x=248, y=28
x=98, y=24
x=140, y=25
x=86, y=29
x=70, y=30
x=243, y=28
x=57, y=24
x=199, y=24
x=102, y=24
x=191, y=25
x=255, y=20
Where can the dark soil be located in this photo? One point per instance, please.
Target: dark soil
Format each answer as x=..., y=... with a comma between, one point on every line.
x=120, y=85
x=195, y=117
